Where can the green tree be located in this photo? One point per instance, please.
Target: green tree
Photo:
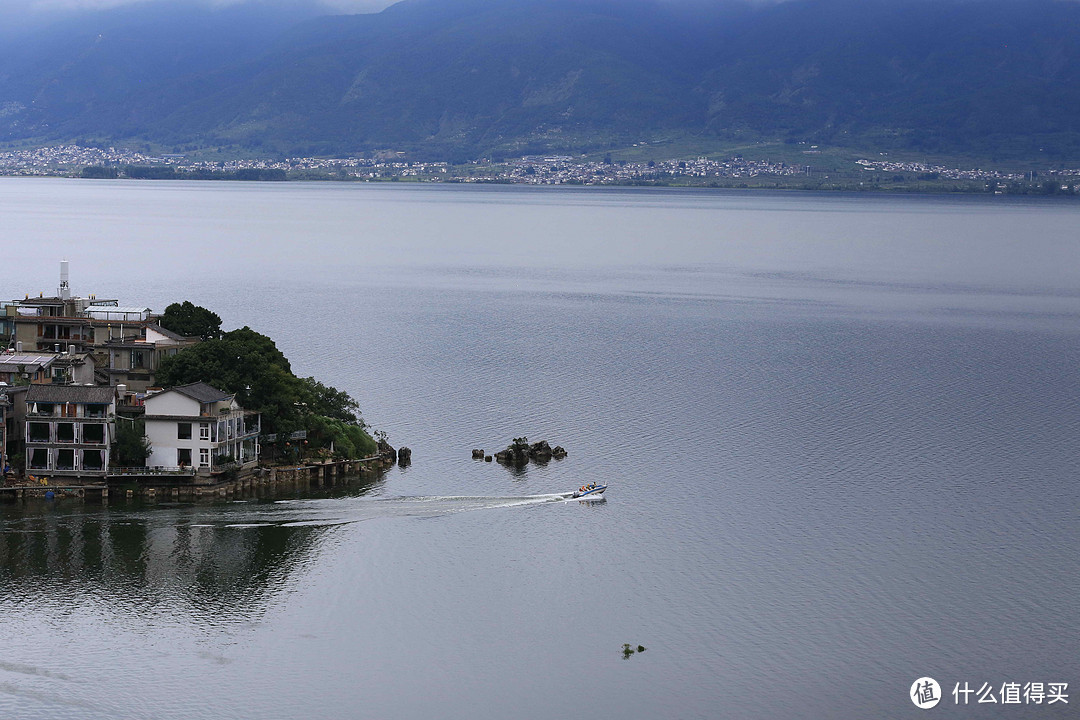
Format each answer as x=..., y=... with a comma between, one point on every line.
x=99, y=172
x=246, y=363
x=131, y=448
x=250, y=365
x=191, y=320
x=329, y=402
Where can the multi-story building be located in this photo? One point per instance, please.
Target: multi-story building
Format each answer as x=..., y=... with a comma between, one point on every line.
x=199, y=426
x=69, y=429
x=7, y=324
x=74, y=369
x=24, y=368
x=54, y=324
x=134, y=360
x=126, y=343
x=44, y=368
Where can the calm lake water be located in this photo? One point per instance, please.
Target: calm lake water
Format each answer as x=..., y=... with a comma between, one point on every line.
x=840, y=434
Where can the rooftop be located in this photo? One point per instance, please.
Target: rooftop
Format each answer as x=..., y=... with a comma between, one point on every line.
x=100, y=394
x=10, y=361
x=202, y=392
x=166, y=332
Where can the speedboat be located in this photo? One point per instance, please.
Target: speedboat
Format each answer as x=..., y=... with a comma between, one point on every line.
x=590, y=491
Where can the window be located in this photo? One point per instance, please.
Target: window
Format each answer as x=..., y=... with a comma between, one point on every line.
x=37, y=432
x=183, y=431
x=204, y=457
x=65, y=432
x=94, y=434
x=39, y=459
x=93, y=460
x=183, y=457
x=65, y=459
x=204, y=431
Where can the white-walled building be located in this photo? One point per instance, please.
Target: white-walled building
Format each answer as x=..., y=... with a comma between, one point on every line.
x=199, y=426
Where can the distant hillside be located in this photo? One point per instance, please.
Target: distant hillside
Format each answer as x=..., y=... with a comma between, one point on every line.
x=463, y=78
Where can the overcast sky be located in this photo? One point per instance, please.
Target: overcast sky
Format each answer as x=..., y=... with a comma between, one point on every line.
x=16, y=13
x=52, y=6
x=37, y=11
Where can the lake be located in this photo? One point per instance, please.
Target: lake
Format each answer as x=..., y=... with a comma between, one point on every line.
x=840, y=434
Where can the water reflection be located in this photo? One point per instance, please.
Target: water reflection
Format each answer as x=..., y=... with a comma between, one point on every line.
x=212, y=558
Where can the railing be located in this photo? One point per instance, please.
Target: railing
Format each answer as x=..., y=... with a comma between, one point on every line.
x=97, y=415
x=152, y=470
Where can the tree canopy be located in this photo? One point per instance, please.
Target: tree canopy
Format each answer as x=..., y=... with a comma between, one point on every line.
x=131, y=448
x=250, y=365
x=191, y=320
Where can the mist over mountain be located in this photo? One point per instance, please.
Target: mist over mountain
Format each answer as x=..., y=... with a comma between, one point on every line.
x=464, y=78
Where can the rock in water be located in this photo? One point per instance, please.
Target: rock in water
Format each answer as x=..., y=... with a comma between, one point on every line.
x=540, y=451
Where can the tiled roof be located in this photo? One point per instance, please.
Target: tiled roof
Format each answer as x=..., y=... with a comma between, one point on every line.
x=97, y=394
x=202, y=392
x=166, y=332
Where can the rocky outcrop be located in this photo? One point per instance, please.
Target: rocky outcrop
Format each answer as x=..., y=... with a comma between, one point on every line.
x=520, y=452
x=478, y=454
x=513, y=455
x=540, y=451
x=404, y=456
x=387, y=452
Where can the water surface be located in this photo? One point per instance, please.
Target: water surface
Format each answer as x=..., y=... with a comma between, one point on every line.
x=839, y=432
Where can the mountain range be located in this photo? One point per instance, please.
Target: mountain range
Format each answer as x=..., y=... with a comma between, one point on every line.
x=457, y=79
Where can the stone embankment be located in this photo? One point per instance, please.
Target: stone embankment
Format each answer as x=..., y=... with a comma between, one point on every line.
x=250, y=482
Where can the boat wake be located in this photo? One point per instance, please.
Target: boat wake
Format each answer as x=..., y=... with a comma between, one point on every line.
x=343, y=511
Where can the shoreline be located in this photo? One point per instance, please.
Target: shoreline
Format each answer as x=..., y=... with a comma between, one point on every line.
x=833, y=188
x=252, y=482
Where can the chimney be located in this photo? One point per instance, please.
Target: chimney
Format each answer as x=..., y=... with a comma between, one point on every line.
x=65, y=289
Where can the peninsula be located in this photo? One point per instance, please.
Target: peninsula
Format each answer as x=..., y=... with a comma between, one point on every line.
x=94, y=394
